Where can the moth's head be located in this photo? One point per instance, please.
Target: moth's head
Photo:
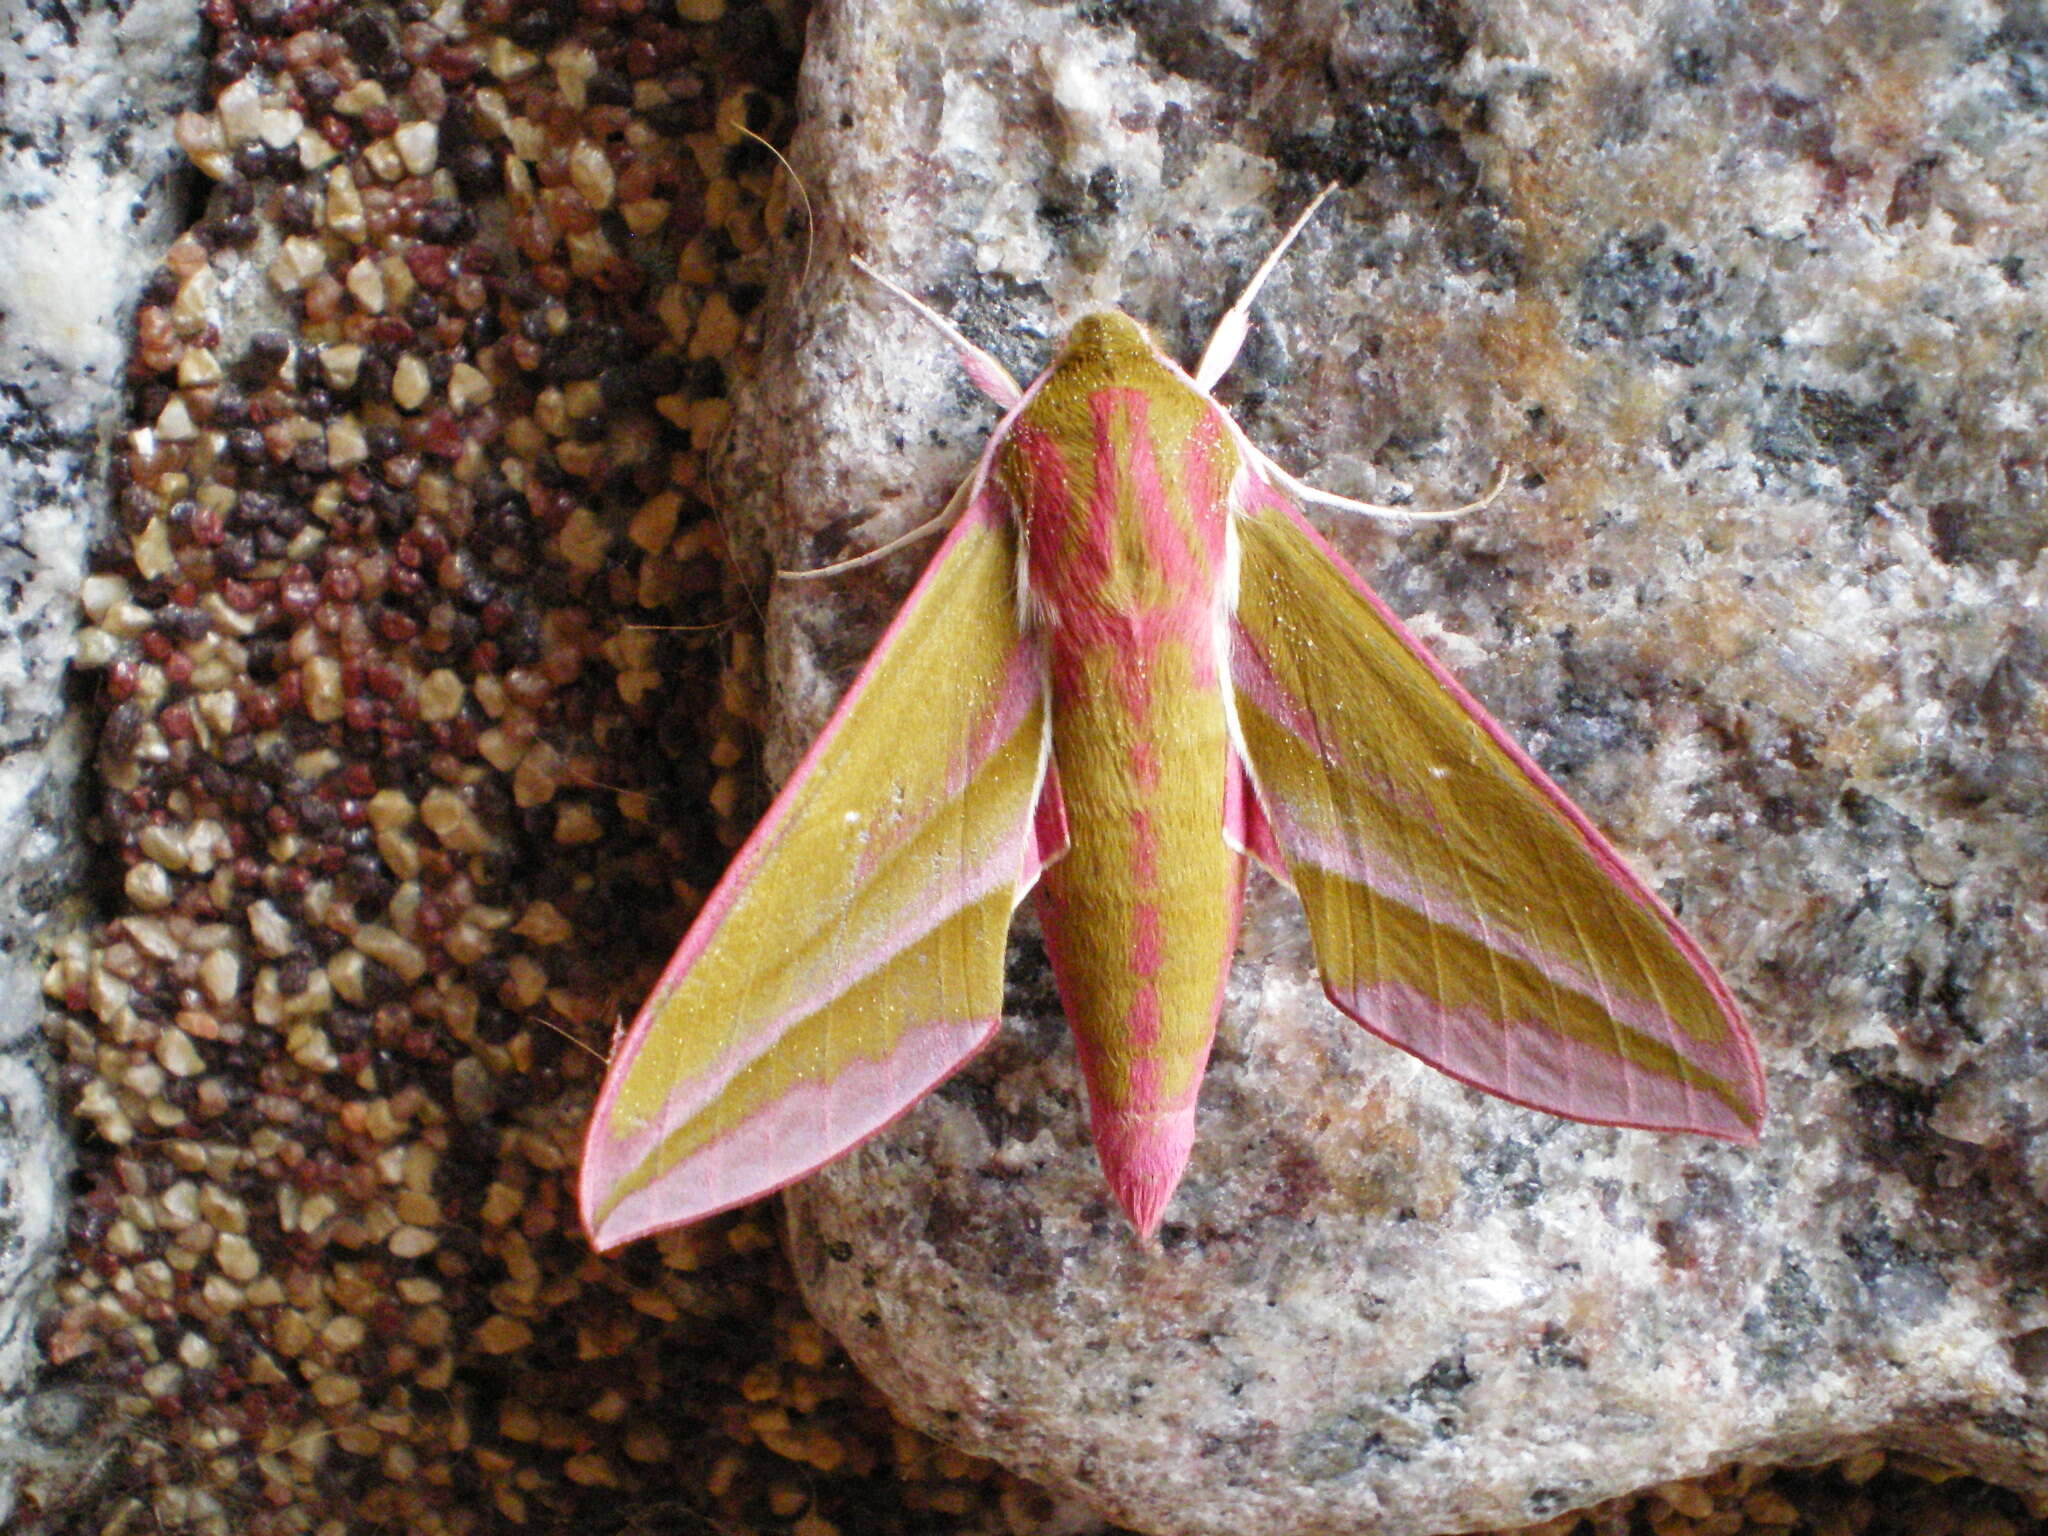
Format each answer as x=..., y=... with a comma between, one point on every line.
x=1106, y=333
x=1109, y=346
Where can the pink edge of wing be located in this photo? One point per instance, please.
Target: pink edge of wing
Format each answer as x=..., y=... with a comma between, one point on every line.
x=932, y=1053
x=754, y=1159
x=868, y=1092
x=1470, y=1049
x=1566, y=1077
x=1388, y=879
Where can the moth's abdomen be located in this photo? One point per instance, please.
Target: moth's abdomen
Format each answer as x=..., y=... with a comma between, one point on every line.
x=1141, y=914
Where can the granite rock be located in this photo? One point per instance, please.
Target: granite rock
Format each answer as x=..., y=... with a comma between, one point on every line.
x=1750, y=297
x=90, y=193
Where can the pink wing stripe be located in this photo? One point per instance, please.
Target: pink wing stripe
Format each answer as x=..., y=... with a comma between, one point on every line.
x=1251, y=675
x=799, y=1131
x=1023, y=686
x=1611, y=863
x=1527, y=1062
x=1735, y=1059
x=610, y=1157
x=983, y=513
x=959, y=889
x=1396, y=882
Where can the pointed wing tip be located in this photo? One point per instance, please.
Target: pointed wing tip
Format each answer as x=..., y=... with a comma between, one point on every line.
x=610, y=1224
x=1741, y=1119
x=613, y=1216
x=1732, y=1111
x=1748, y=1129
x=596, y=1210
x=600, y=1229
x=610, y=1216
x=1740, y=1125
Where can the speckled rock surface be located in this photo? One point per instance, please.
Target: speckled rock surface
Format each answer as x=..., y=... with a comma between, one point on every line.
x=1751, y=297
x=86, y=203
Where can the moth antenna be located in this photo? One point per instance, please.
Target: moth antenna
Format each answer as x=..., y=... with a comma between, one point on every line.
x=983, y=371
x=684, y=629
x=803, y=195
x=1303, y=491
x=1236, y=322
x=582, y=1045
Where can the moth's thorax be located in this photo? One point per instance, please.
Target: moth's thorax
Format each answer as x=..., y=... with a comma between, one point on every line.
x=1119, y=470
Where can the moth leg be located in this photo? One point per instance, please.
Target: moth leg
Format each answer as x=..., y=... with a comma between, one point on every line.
x=1303, y=491
x=986, y=374
x=924, y=530
x=1236, y=322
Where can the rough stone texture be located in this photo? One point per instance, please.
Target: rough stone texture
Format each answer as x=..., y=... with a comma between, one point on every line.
x=88, y=198
x=1751, y=296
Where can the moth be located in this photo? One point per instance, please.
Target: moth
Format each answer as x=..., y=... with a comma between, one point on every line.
x=1132, y=665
